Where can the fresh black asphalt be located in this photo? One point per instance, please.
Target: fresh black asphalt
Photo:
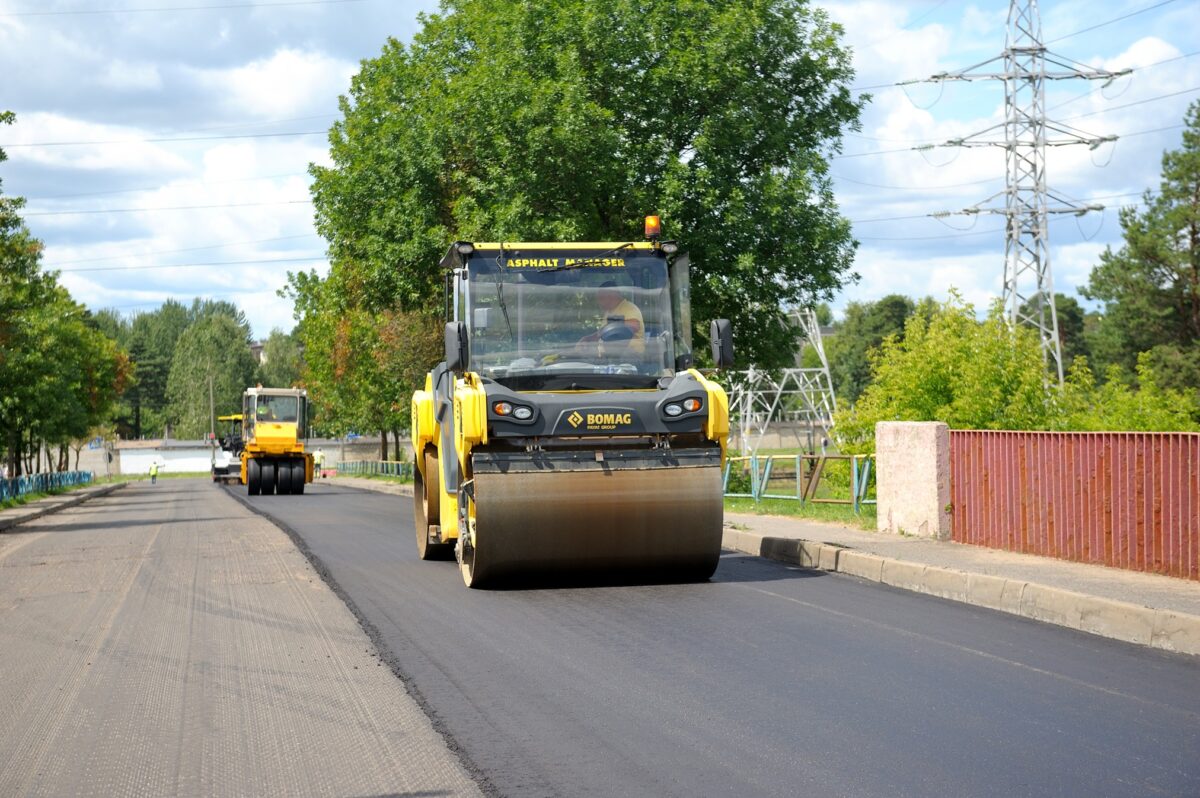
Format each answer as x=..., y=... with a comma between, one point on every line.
x=768, y=680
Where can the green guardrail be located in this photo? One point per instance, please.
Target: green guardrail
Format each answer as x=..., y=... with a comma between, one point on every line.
x=753, y=475
x=390, y=468
x=42, y=483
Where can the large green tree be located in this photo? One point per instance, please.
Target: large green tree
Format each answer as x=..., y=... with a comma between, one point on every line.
x=59, y=374
x=572, y=119
x=212, y=354
x=1150, y=287
x=282, y=360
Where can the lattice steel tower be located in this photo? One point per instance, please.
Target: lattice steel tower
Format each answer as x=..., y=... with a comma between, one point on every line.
x=1028, y=285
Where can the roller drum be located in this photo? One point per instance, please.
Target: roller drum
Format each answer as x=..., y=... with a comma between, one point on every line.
x=659, y=523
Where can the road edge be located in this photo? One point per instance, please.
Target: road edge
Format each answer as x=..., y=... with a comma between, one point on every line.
x=1176, y=632
x=54, y=504
x=376, y=637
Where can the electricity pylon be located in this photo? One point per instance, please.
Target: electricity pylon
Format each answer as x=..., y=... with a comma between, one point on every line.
x=1028, y=284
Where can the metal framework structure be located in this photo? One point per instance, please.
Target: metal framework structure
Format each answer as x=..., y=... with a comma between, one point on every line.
x=805, y=395
x=1028, y=202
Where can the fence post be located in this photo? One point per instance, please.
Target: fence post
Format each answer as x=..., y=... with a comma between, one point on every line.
x=854, y=482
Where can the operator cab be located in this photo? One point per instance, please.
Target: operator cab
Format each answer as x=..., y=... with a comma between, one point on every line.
x=572, y=316
x=278, y=405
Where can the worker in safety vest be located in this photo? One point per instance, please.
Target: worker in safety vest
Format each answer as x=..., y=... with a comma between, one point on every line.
x=153, y=472
x=318, y=461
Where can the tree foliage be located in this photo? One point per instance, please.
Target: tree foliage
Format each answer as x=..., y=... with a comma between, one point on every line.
x=863, y=328
x=1150, y=287
x=282, y=360
x=972, y=374
x=216, y=347
x=572, y=119
x=59, y=374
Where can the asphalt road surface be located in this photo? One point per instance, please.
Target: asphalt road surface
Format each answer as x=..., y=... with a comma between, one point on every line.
x=768, y=680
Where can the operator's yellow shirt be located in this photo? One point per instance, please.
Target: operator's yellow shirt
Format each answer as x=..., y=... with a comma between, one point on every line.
x=633, y=319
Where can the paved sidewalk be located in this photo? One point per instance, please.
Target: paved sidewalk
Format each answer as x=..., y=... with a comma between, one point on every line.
x=15, y=516
x=167, y=641
x=1149, y=609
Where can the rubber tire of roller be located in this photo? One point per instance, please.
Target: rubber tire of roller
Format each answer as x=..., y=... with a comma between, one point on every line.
x=253, y=477
x=425, y=495
x=268, y=477
x=283, y=477
x=298, y=478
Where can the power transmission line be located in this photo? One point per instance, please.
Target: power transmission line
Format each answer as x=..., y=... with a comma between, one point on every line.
x=164, y=140
x=191, y=265
x=902, y=83
x=175, y=251
x=182, y=184
x=171, y=208
x=1130, y=105
x=1111, y=21
x=225, y=7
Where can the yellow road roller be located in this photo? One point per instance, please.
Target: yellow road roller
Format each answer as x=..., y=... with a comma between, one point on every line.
x=567, y=430
x=273, y=432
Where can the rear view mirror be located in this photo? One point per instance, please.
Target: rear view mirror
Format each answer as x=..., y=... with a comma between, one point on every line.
x=458, y=347
x=721, y=334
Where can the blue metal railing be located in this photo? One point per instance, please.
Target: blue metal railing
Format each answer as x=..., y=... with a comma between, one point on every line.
x=391, y=468
x=42, y=483
x=808, y=471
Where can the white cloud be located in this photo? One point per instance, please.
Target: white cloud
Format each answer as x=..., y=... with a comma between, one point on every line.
x=127, y=75
x=288, y=83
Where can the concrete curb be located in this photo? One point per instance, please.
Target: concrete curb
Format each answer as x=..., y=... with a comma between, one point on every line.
x=30, y=512
x=1119, y=620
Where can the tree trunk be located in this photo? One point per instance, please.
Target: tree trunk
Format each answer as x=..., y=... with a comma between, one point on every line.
x=383, y=444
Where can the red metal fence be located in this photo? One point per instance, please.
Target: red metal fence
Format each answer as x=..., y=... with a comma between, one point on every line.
x=1128, y=500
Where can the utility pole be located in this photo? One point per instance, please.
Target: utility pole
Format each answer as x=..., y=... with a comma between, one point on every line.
x=212, y=413
x=1028, y=202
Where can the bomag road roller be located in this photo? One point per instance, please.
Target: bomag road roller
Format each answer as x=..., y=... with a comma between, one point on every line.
x=566, y=431
x=273, y=456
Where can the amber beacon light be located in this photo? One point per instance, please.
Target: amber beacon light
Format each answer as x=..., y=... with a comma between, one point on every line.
x=653, y=227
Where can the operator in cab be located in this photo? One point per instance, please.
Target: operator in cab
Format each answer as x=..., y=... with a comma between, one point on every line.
x=619, y=313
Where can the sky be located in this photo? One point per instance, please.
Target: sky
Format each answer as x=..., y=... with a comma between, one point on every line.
x=163, y=145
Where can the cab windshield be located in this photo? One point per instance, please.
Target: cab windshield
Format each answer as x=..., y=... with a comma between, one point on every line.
x=565, y=319
x=278, y=408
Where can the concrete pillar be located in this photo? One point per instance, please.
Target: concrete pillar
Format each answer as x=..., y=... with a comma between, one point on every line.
x=912, y=478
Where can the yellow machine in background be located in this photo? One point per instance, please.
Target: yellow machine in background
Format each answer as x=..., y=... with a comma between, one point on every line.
x=567, y=431
x=273, y=433
x=227, y=450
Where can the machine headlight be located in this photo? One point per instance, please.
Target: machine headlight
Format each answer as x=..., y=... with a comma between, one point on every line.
x=522, y=413
x=673, y=410
x=464, y=247
x=691, y=405
x=502, y=408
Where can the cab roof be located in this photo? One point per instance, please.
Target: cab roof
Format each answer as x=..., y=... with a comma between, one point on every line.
x=260, y=391
x=453, y=259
